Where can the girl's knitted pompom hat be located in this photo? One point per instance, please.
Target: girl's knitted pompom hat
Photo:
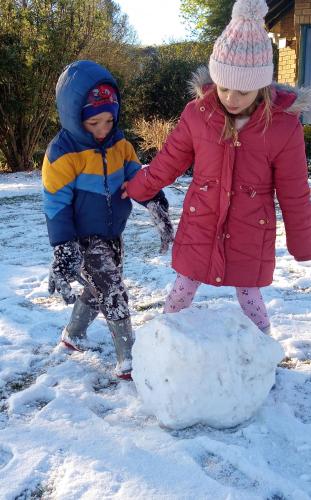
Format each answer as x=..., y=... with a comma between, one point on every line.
x=242, y=56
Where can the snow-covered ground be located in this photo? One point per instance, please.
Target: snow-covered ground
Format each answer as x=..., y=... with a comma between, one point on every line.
x=69, y=431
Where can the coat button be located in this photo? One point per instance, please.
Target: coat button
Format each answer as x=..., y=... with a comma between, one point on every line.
x=228, y=235
x=202, y=108
x=262, y=221
x=218, y=279
x=192, y=209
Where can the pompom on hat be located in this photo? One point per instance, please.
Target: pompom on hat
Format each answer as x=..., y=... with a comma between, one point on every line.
x=242, y=57
x=101, y=98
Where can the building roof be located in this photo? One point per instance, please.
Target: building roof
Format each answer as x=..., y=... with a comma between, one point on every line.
x=277, y=10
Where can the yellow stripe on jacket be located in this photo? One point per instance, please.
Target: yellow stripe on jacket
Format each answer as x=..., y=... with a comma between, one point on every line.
x=67, y=167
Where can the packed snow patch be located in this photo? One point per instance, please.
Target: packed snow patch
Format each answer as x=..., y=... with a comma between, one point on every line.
x=210, y=366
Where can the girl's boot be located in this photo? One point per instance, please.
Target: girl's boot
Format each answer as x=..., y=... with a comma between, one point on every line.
x=122, y=335
x=75, y=332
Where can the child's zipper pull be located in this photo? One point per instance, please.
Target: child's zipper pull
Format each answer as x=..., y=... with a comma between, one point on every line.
x=236, y=142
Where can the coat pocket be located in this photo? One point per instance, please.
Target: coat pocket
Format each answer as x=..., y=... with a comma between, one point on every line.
x=199, y=218
x=252, y=229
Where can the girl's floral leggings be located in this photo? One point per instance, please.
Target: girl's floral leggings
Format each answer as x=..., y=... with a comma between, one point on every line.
x=250, y=300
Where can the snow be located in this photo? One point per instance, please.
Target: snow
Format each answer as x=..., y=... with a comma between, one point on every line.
x=210, y=367
x=69, y=430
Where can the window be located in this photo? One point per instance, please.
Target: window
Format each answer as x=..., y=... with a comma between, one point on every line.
x=305, y=63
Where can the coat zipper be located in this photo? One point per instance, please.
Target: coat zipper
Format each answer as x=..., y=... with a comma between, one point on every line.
x=236, y=142
x=108, y=194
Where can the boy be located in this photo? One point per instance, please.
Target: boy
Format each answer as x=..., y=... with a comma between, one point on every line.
x=84, y=167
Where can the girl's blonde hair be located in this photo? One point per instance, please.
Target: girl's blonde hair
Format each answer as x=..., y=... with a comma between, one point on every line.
x=229, y=131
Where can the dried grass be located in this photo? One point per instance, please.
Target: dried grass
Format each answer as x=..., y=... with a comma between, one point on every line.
x=152, y=133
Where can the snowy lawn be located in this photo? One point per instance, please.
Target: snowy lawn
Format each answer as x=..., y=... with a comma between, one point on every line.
x=69, y=430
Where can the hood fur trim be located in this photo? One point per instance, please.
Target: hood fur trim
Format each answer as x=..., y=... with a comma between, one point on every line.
x=303, y=98
x=201, y=78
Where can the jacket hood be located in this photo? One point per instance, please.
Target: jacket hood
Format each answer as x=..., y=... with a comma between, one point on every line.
x=71, y=91
x=292, y=99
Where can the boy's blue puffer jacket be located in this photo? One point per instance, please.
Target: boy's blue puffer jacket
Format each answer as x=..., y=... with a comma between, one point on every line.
x=81, y=178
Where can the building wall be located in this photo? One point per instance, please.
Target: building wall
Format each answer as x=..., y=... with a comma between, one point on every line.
x=287, y=61
x=287, y=70
x=302, y=12
x=289, y=28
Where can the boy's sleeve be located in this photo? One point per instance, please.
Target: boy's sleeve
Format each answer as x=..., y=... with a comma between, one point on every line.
x=58, y=177
x=172, y=161
x=293, y=193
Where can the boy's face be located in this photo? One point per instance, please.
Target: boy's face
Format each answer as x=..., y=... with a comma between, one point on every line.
x=236, y=101
x=99, y=125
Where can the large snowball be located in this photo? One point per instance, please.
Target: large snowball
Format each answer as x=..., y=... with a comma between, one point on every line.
x=210, y=366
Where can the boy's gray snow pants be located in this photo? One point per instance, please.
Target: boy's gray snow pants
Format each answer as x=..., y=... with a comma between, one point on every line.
x=103, y=268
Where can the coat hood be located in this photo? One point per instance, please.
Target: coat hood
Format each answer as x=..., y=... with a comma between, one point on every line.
x=292, y=99
x=71, y=91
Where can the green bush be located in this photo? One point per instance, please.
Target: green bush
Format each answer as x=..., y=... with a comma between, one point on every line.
x=160, y=88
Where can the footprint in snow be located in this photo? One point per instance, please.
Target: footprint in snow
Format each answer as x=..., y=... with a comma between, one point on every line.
x=225, y=472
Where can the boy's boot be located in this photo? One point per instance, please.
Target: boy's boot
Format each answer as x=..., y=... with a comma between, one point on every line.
x=75, y=332
x=122, y=335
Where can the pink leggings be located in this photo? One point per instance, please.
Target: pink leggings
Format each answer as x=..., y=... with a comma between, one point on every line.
x=250, y=300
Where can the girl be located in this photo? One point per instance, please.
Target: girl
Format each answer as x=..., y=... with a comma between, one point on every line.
x=243, y=136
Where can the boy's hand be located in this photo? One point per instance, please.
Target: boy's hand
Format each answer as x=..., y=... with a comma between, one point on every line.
x=64, y=269
x=123, y=187
x=158, y=209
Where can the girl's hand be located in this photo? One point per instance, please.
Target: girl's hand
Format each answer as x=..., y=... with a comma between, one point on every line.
x=123, y=187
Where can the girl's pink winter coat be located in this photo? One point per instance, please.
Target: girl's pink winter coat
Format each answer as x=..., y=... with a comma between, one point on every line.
x=227, y=231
